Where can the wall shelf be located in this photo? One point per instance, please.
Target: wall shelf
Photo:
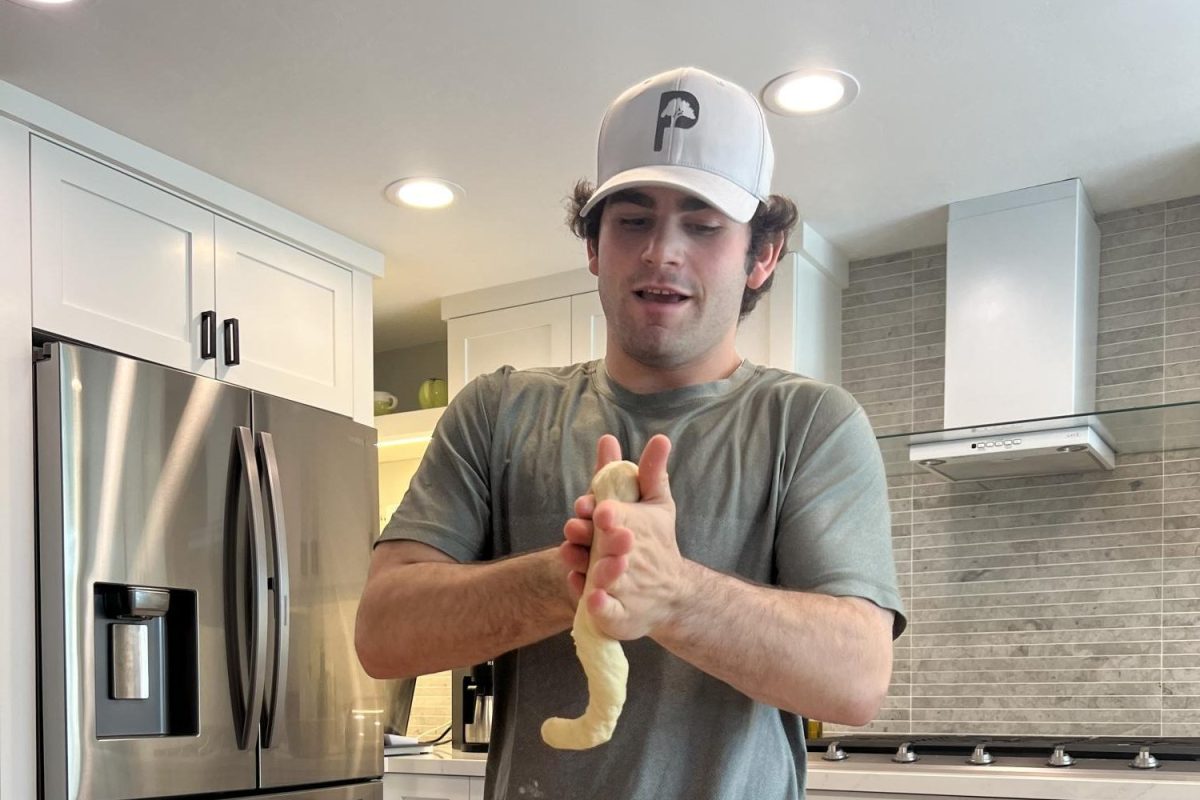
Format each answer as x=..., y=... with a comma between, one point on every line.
x=405, y=434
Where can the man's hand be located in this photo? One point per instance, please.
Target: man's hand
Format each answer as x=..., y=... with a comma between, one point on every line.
x=638, y=579
x=816, y=655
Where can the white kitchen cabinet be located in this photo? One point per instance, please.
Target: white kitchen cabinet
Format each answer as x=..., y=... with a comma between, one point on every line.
x=797, y=326
x=117, y=262
x=529, y=335
x=292, y=315
x=127, y=266
x=588, y=329
x=408, y=786
x=556, y=332
x=558, y=320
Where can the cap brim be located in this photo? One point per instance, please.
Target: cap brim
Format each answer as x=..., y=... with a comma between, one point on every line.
x=722, y=194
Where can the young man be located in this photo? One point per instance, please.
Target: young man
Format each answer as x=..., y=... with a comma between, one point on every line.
x=752, y=583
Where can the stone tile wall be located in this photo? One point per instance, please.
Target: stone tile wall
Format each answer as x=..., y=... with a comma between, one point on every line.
x=1067, y=604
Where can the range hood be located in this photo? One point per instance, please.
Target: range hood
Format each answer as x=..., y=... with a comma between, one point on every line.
x=1022, y=296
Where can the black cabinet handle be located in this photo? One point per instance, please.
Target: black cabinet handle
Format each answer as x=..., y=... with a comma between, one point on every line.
x=208, y=335
x=233, y=345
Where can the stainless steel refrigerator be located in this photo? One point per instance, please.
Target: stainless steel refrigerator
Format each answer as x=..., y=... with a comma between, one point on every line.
x=201, y=551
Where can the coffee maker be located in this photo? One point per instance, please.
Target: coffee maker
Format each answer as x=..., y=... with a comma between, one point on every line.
x=471, y=708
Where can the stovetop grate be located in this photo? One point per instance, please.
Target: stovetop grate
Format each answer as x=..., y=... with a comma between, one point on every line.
x=1167, y=748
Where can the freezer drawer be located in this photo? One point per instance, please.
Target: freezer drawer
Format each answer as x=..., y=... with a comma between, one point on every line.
x=359, y=791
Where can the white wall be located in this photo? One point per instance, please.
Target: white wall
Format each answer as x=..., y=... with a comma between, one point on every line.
x=18, y=761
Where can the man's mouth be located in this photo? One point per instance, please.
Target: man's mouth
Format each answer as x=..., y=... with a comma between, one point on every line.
x=661, y=296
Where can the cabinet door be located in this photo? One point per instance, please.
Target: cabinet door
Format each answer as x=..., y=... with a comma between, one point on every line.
x=477, y=788
x=533, y=335
x=293, y=312
x=754, y=335
x=117, y=262
x=408, y=786
x=588, y=330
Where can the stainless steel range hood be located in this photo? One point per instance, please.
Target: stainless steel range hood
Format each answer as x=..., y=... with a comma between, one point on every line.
x=1014, y=453
x=1022, y=295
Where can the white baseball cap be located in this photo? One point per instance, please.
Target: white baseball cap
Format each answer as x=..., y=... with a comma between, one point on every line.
x=687, y=129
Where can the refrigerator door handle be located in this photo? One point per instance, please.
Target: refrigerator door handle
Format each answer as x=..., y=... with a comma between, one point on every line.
x=279, y=541
x=248, y=702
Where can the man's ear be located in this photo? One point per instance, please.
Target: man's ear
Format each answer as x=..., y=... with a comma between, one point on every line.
x=764, y=262
x=593, y=248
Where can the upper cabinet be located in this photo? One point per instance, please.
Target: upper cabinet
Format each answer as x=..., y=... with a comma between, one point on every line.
x=558, y=320
x=125, y=265
x=530, y=335
x=117, y=262
x=284, y=319
x=533, y=323
x=589, y=333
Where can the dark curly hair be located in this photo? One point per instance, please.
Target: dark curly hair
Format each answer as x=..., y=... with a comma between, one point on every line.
x=772, y=219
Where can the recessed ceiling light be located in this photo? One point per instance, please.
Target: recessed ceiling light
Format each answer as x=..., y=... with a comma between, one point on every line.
x=810, y=91
x=423, y=192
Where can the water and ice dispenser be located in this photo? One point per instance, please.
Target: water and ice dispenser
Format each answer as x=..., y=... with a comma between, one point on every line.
x=145, y=658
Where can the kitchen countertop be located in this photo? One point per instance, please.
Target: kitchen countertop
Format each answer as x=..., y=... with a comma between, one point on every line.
x=444, y=760
x=1087, y=779
x=933, y=775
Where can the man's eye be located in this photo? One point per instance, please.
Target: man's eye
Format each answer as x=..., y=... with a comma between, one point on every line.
x=706, y=229
x=633, y=222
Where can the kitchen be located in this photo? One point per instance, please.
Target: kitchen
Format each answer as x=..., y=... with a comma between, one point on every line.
x=1098, y=641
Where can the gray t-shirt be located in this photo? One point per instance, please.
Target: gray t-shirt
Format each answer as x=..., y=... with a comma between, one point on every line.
x=776, y=479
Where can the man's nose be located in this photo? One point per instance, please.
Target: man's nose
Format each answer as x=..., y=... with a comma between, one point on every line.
x=664, y=245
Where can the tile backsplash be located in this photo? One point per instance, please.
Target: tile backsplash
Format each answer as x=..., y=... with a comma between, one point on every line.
x=431, y=706
x=1060, y=605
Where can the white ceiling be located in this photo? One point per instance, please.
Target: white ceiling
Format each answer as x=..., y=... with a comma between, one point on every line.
x=318, y=104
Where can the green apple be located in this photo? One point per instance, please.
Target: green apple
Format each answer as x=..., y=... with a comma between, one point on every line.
x=432, y=393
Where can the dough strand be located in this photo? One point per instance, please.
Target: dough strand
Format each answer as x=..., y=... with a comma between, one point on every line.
x=602, y=658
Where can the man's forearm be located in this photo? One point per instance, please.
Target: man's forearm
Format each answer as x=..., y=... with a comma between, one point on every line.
x=827, y=658
x=425, y=617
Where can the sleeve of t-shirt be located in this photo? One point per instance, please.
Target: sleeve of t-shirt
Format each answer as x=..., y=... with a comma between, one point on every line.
x=834, y=534
x=448, y=502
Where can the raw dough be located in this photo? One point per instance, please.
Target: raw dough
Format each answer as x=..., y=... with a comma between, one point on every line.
x=602, y=658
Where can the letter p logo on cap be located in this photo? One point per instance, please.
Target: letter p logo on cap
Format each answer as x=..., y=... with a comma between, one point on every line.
x=675, y=110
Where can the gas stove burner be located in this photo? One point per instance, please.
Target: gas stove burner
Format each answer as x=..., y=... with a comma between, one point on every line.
x=834, y=752
x=1060, y=758
x=980, y=757
x=1144, y=760
x=982, y=750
